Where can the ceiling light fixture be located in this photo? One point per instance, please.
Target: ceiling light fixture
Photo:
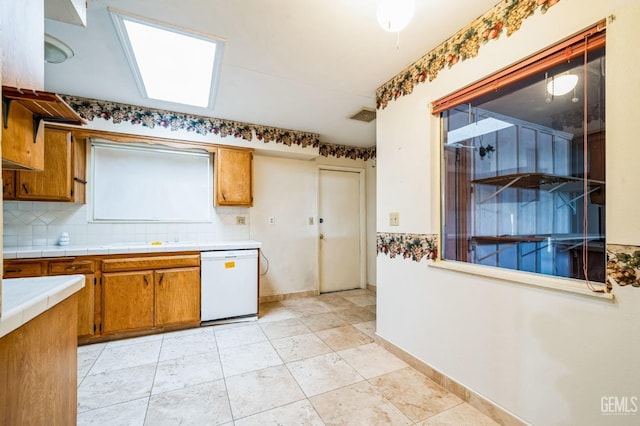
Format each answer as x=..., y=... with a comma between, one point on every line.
x=56, y=51
x=562, y=84
x=395, y=15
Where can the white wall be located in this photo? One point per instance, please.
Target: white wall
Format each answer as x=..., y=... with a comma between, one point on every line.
x=287, y=190
x=546, y=356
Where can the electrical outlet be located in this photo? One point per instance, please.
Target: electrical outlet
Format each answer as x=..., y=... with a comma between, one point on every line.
x=241, y=220
x=272, y=220
x=394, y=219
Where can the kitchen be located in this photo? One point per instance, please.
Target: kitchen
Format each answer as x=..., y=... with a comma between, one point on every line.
x=52, y=228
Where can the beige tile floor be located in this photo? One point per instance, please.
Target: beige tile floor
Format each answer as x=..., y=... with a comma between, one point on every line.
x=310, y=361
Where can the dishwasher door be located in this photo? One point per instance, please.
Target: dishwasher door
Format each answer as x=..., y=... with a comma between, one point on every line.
x=229, y=284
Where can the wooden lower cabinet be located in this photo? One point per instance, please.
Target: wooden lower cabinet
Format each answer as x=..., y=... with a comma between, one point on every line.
x=125, y=295
x=38, y=369
x=64, y=266
x=127, y=301
x=177, y=296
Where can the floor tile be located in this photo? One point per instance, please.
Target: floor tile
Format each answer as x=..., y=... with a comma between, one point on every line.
x=273, y=311
x=356, y=292
x=261, y=390
x=241, y=359
x=335, y=301
x=188, y=331
x=372, y=360
x=134, y=340
x=356, y=315
x=417, y=396
x=130, y=413
x=297, y=413
x=236, y=336
x=205, y=404
x=323, y=373
x=127, y=356
x=113, y=387
x=86, y=359
x=284, y=328
x=368, y=328
x=364, y=300
x=340, y=338
x=358, y=404
x=300, y=347
x=187, y=371
x=463, y=414
x=187, y=345
x=91, y=348
x=306, y=306
x=319, y=322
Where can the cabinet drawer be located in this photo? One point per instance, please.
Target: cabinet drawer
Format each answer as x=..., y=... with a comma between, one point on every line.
x=17, y=269
x=67, y=267
x=154, y=262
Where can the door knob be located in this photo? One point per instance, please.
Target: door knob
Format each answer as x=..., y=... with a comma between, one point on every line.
x=322, y=236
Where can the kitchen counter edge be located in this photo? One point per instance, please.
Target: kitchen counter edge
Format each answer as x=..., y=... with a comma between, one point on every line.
x=105, y=249
x=23, y=299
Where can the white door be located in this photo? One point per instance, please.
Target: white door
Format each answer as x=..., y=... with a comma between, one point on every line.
x=340, y=230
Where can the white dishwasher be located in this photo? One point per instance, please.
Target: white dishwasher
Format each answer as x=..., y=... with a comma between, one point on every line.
x=229, y=281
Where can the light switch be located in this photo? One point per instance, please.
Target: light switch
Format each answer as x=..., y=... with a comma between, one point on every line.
x=394, y=219
x=310, y=220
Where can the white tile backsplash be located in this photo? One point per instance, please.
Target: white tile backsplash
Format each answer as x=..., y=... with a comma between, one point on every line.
x=41, y=223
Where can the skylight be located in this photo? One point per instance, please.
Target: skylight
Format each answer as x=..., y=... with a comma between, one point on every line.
x=170, y=64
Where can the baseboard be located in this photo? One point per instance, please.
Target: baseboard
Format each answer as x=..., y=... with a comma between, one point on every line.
x=372, y=288
x=280, y=297
x=490, y=409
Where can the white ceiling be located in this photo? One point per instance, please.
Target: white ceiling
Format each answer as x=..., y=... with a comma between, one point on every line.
x=298, y=64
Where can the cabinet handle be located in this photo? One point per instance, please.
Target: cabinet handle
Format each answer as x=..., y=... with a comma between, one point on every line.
x=24, y=187
x=161, y=278
x=13, y=270
x=71, y=268
x=79, y=180
x=146, y=280
x=223, y=196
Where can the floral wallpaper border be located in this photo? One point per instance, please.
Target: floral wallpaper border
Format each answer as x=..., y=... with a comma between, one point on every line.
x=623, y=265
x=90, y=109
x=408, y=246
x=506, y=15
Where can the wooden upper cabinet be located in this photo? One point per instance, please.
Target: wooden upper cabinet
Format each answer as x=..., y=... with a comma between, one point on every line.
x=8, y=185
x=233, y=177
x=63, y=175
x=22, y=38
x=22, y=142
x=54, y=181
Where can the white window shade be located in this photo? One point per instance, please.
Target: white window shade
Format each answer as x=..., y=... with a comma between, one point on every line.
x=141, y=184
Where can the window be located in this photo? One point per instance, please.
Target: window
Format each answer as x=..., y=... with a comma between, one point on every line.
x=140, y=183
x=170, y=64
x=523, y=166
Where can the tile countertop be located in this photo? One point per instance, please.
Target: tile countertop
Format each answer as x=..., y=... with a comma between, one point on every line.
x=123, y=248
x=25, y=298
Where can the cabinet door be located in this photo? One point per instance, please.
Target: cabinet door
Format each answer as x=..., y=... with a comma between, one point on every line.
x=177, y=296
x=86, y=307
x=54, y=181
x=22, y=144
x=234, y=177
x=127, y=301
x=8, y=185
